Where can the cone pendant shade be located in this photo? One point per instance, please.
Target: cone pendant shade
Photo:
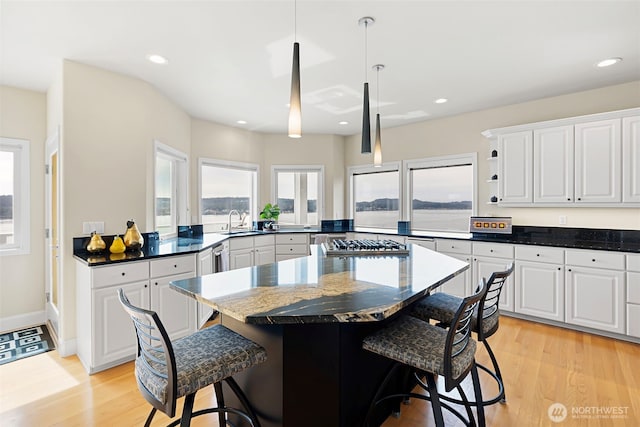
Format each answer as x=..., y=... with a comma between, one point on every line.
x=295, y=108
x=377, y=149
x=366, y=122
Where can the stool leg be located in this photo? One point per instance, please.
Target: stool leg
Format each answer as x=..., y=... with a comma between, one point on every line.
x=244, y=401
x=187, y=409
x=222, y=418
x=496, y=368
x=150, y=417
x=478, y=393
x=435, y=400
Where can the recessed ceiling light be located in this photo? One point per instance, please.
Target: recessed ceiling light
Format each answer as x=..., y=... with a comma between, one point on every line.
x=608, y=62
x=343, y=123
x=157, y=59
x=241, y=122
x=440, y=100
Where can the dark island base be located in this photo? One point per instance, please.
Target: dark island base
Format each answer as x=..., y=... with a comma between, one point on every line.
x=315, y=375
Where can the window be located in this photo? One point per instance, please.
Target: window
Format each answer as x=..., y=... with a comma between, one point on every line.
x=375, y=196
x=224, y=187
x=171, y=189
x=441, y=193
x=298, y=193
x=14, y=196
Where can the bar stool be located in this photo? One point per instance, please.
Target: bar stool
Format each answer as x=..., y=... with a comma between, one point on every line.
x=429, y=351
x=442, y=307
x=166, y=371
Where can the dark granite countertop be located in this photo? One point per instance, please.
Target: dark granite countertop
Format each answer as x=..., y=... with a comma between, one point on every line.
x=324, y=289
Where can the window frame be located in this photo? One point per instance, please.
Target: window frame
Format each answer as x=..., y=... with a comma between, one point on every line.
x=437, y=162
x=229, y=164
x=180, y=188
x=369, y=169
x=301, y=168
x=21, y=196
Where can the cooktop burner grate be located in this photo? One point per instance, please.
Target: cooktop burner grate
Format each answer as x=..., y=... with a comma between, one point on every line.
x=365, y=247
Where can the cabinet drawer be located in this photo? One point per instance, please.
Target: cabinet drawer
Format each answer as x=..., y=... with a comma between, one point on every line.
x=292, y=249
x=298, y=238
x=453, y=246
x=121, y=273
x=633, y=287
x=633, y=262
x=173, y=265
x=500, y=250
x=596, y=259
x=240, y=243
x=264, y=240
x=540, y=254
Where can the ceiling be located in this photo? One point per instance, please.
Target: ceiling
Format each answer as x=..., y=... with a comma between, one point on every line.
x=231, y=60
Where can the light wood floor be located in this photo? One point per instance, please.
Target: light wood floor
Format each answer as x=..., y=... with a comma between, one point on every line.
x=542, y=365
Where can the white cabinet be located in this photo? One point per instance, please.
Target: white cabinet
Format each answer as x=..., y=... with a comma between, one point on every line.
x=491, y=257
x=515, y=176
x=553, y=165
x=539, y=289
x=105, y=334
x=264, y=250
x=595, y=290
x=291, y=245
x=204, y=265
x=633, y=295
x=425, y=243
x=461, y=285
x=631, y=159
x=598, y=171
x=250, y=251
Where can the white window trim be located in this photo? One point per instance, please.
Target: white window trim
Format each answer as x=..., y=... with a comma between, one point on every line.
x=301, y=168
x=22, y=197
x=251, y=167
x=364, y=169
x=433, y=162
x=182, y=183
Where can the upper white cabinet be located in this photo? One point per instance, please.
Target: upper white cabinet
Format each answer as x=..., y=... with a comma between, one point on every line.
x=590, y=161
x=631, y=159
x=553, y=165
x=515, y=185
x=598, y=153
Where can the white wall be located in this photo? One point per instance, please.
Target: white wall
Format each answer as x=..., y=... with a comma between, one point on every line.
x=23, y=116
x=462, y=134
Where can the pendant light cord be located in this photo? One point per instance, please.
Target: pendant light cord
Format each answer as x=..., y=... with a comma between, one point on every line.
x=378, y=90
x=366, y=25
x=295, y=21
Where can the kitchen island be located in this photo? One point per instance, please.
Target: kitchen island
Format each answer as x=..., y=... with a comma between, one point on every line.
x=311, y=314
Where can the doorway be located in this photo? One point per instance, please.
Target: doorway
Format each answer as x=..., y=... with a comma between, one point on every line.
x=52, y=232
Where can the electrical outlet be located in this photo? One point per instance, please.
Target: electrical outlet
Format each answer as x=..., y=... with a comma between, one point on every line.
x=98, y=227
x=89, y=227
x=562, y=219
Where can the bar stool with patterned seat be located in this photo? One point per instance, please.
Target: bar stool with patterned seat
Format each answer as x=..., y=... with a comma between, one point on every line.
x=429, y=351
x=442, y=307
x=166, y=370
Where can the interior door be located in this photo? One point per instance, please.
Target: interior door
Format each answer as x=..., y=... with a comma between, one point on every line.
x=52, y=235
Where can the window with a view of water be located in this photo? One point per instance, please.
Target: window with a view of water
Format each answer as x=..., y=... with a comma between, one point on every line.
x=376, y=198
x=14, y=196
x=170, y=190
x=225, y=187
x=441, y=194
x=298, y=193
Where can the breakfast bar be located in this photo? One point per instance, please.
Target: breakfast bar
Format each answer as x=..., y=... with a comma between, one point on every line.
x=311, y=314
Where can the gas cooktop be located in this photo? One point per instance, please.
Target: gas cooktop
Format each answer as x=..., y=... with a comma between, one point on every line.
x=365, y=247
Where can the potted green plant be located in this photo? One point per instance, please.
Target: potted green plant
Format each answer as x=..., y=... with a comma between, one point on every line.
x=270, y=214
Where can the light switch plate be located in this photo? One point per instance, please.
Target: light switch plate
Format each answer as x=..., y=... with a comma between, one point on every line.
x=90, y=226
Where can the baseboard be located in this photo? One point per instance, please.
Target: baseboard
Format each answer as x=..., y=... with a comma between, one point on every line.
x=67, y=348
x=22, y=321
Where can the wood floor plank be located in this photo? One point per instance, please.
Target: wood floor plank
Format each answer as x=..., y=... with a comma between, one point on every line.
x=541, y=365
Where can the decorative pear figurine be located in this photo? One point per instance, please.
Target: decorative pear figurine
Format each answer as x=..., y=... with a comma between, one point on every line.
x=133, y=240
x=117, y=247
x=96, y=244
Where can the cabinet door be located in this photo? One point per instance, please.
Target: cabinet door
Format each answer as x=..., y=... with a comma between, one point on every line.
x=264, y=255
x=553, y=165
x=204, y=266
x=484, y=267
x=598, y=149
x=515, y=171
x=460, y=285
x=539, y=290
x=631, y=159
x=595, y=298
x=176, y=311
x=241, y=258
x=114, y=335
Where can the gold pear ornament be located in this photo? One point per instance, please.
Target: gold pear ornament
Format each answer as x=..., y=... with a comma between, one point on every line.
x=133, y=240
x=117, y=247
x=96, y=244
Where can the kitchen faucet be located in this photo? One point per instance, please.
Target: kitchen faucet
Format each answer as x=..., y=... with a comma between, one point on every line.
x=231, y=212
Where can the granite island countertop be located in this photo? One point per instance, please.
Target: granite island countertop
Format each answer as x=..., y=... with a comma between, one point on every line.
x=324, y=289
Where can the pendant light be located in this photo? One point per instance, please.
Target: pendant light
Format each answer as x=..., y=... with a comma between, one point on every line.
x=366, y=123
x=377, y=149
x=295, y=106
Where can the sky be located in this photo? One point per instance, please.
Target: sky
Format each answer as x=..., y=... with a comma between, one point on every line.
x=6, y=173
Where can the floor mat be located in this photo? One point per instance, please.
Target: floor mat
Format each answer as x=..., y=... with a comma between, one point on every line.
x=24, y=343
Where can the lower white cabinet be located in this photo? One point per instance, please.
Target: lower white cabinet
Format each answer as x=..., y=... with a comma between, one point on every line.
x=633, y=295
x=425, y=243
x=291, y=245
x=460, y=285
x=489, y=258
x=105, y=333
x=250, y=251
x=539, y=290
x=204, y=265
